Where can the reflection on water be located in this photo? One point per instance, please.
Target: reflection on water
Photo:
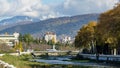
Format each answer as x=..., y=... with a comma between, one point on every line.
x=59, y=62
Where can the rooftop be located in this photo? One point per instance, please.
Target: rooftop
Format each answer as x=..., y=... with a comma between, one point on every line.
x=50, y=33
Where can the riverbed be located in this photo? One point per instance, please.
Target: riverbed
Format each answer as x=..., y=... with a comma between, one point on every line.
x=66, y=62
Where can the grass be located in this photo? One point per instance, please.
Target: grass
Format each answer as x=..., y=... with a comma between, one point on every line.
x=84, y=61
x=21, y=61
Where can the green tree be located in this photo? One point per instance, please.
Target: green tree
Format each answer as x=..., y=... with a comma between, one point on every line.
x=28, y=38
x=50, y=42
x=20, y=37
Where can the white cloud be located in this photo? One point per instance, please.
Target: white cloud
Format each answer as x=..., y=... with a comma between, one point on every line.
x=74, y=7
x=36, y=8
x=4, y=4
x=33, y=8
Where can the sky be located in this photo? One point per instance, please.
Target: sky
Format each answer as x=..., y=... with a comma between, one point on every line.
x=44, y=9
x=52, y=1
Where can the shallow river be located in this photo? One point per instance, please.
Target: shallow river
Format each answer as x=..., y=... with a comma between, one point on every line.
x=63, y=62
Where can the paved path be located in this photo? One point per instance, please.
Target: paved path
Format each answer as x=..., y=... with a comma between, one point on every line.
x=102, y=57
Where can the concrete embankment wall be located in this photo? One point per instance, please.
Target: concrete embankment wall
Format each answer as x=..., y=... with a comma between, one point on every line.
x=55, y=53
x=5, y=65
x=17, y=54
x=102, y=57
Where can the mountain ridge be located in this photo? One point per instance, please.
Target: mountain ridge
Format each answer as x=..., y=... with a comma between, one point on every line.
x=17, y=19
x=61, y=25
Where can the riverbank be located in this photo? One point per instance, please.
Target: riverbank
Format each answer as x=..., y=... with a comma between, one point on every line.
x=27, y=61
x=86, y=63
x=21, y=61
x=111, y=62
x=5, y=65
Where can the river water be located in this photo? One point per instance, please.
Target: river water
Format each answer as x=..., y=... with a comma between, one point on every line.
x=64, y=62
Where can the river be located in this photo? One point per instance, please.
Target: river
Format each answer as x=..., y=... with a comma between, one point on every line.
x=66, y=62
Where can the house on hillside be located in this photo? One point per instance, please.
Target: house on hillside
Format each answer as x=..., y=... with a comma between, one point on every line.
x=9, y=39
x=50, y=36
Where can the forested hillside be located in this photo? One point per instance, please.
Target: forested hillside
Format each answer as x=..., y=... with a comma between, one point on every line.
x=62, y=25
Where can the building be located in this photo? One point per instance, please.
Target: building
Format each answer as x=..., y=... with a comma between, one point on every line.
x=66, y=39
x=9, y=39
x=50, y=36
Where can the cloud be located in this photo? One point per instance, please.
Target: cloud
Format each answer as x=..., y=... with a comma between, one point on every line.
x=4, y=4
x=36, y=8
x=75, y=7
x=33, y=8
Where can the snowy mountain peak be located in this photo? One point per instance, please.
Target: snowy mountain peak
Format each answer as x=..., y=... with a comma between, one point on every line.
x=17, y=19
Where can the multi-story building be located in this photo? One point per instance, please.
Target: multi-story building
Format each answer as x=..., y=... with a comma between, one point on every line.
x=50, y=36
x=9, y=39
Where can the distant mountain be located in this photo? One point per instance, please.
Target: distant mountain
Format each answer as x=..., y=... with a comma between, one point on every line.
x=17, y=19
x=62, y=25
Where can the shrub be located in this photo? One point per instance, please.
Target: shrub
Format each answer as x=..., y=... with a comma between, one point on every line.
x=6, y=49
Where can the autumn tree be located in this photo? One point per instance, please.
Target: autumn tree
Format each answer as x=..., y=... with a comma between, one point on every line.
x=19, y=46
x=86, y=35
x=109, y=27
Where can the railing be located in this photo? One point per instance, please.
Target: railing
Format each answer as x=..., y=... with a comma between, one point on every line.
x=54, y=51
x=100, y=55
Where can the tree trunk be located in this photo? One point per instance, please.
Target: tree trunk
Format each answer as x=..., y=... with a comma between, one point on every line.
x=112, y=52
x=93, y=47
x=115, y=51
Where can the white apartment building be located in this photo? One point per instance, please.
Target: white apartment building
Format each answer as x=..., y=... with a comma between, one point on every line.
x=50, y=36
x=9, y=39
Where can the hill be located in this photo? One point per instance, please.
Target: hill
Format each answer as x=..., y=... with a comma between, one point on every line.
x=61, y=25
x=17, y=19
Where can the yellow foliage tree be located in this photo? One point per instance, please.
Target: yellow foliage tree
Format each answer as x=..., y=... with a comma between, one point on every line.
x=86, y=35
x=19, y=47
x=53, y=40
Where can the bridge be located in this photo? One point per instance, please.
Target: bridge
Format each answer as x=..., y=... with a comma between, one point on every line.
x=55, y=53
